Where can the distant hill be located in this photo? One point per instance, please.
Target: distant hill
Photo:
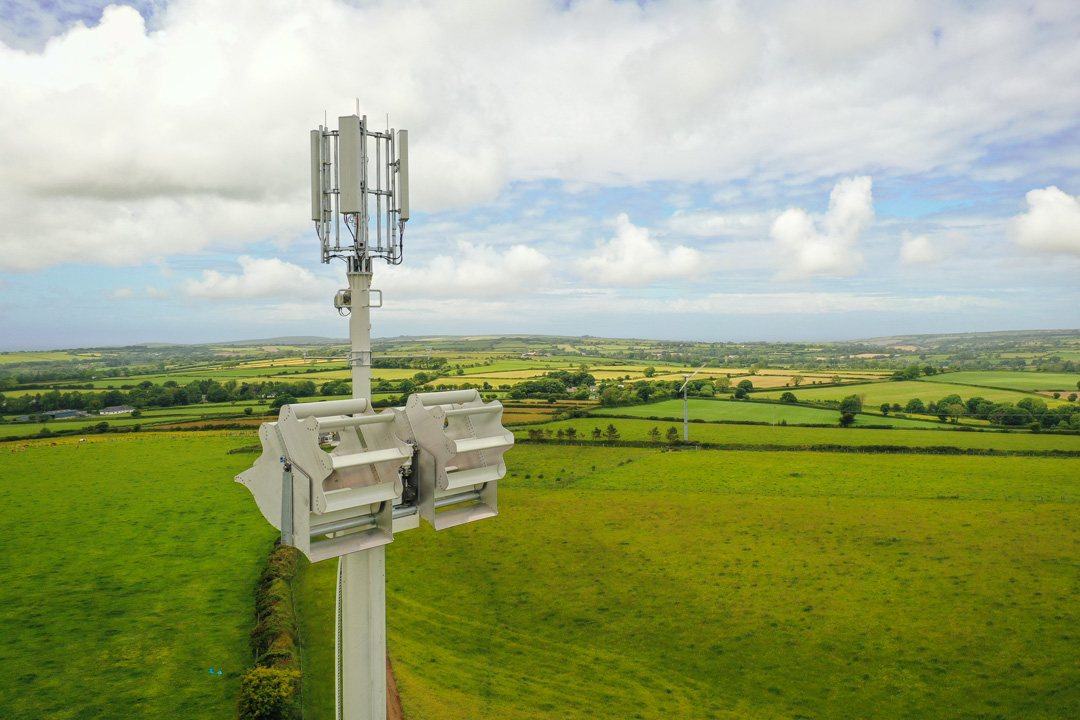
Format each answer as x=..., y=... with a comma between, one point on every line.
x=999, y=338
x=287, y=340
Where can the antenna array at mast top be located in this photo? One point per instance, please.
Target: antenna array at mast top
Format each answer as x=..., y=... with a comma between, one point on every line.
x=343, y=191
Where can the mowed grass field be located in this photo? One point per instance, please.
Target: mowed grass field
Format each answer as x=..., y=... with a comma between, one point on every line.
x=1029, y=381
x=874, y=394
x=698, y=409
x=797, y=437
x=129, y=570
x=631, y=583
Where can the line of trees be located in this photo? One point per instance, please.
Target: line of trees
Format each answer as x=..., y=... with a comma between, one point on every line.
x=170, y=393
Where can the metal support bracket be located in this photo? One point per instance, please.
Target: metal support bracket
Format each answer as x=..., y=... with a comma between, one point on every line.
x=360, y=358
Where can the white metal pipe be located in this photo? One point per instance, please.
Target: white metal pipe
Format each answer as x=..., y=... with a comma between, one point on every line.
x=449, y=500
x=340, y=525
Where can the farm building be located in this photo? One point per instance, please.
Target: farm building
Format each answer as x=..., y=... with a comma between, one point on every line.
x=117, y=410
x=52, y=415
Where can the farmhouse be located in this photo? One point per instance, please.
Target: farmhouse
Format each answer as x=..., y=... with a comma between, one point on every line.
x=117, y=410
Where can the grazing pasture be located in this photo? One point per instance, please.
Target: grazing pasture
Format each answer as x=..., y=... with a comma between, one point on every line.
x=129, y=570
x=629, y=583
x=803, y=437
x=1026, y=381
x=713, y=410
x=874, y=394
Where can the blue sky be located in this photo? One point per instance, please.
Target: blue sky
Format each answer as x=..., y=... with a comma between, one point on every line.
x=684, y=170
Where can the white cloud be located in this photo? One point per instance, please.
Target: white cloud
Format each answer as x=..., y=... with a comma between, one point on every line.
x=261, y=278
x=213, y=103
x=632, y=257
x=473, y=271
x=719, y=224
x=1051, y=224
x=788, y=303
x=806, y=251
x=918, y=250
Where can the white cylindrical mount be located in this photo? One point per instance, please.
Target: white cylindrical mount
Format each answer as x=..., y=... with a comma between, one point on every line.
x=360, y=332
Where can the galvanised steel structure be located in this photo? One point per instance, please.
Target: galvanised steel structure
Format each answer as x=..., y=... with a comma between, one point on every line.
x=439, y=457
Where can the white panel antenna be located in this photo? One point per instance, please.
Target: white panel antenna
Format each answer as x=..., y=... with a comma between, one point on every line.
x=362, y=177
x=403, y=174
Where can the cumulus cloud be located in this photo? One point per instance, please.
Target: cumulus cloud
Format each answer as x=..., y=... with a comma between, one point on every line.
x=918, y=250
x=632, y=257
x=473, y=271
x=806, y=251
x=212, y=103
x=1051, y=224
x=260, y=278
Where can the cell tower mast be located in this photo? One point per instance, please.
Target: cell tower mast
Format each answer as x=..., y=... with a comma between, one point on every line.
x=437, y=458
x=348, y=189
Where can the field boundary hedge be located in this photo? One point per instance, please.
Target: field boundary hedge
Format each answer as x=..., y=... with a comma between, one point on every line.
x=272, y=689
x=829, y=447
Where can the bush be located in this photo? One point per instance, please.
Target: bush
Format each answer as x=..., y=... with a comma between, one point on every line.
x=788, y=397
x=267, y=693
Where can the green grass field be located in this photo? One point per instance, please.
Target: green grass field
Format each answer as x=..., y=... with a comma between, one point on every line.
x=1029, y=381
x=794, y=436
x=628, y=583
x=129, y=570
x=712, y=410
x=874, y=394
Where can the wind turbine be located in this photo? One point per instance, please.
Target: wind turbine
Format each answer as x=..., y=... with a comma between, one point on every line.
x=685, y=416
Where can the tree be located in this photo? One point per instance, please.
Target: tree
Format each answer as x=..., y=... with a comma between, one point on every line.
x=1072, y=397
x=915, y=406
x=885, y=408
x=611, y=433
x=740, y=393
x=846, y=419
x=851, y=404
x=745, y=385
x=788, y=397
x=723, y=384
x=797, y=380
x=597, y=433
x=282, y=400
x=571, y=434
x=654, y=434
x=649, y=371
x=672, y=435
x=930, y=370
x=247, y=411
x=216, y=393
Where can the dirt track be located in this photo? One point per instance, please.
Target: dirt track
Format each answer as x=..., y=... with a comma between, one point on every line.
x=393, y=700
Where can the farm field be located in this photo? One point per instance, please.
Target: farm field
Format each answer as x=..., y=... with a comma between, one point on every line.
x=795, y=436
x=732, y=585
x=129, y=570
x=769, y=379
x=150, y=417
x=1027, y=381
x=900, y=392
x=757, y=412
